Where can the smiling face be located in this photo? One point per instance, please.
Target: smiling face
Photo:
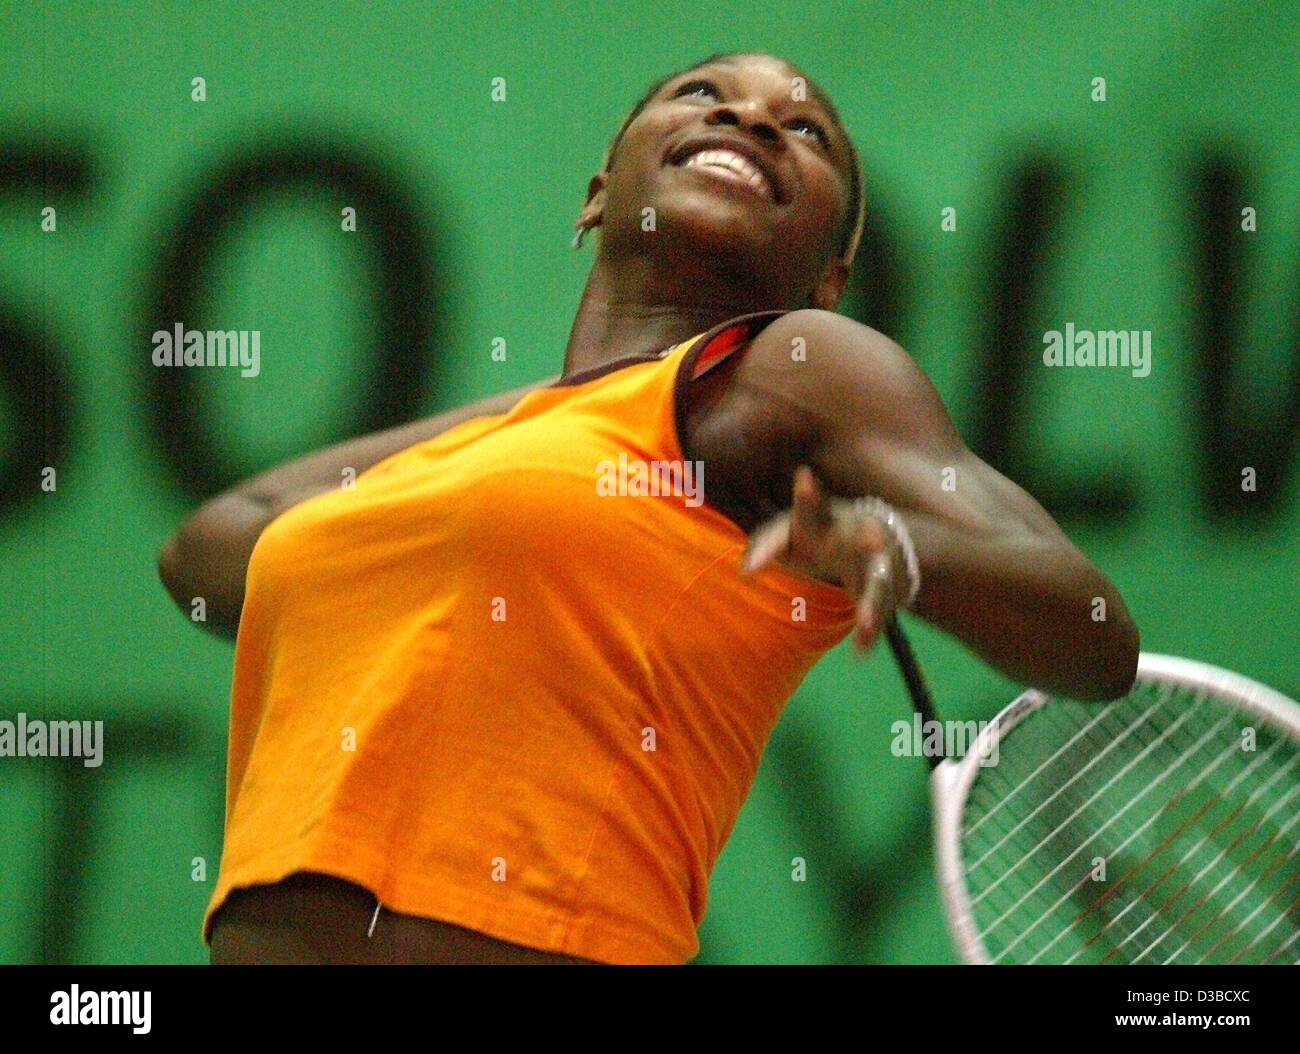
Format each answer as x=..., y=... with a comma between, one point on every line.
x=740, y=161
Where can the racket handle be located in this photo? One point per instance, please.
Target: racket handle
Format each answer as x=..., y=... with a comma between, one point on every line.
x=906, y=659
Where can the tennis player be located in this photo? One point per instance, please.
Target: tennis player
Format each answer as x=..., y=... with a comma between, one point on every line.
x=502, y=699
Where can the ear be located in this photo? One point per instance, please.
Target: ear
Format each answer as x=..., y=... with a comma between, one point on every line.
x=593, y=211
x=830, y=286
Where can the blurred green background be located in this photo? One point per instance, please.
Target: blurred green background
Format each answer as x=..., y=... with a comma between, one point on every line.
x=1122, y=214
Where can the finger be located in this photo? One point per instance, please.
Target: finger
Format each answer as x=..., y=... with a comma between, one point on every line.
x=870, y=536
x=805, y=483
x=807, y=493
x=766, y=544
x=809, y=512
x=876, y=606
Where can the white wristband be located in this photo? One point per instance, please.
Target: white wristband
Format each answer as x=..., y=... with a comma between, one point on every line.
x=897, y=531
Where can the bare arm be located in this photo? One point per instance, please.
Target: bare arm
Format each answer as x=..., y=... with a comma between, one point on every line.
x=208, y=555
x=996, y=570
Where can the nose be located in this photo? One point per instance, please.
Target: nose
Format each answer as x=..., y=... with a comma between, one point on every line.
x=749, y=116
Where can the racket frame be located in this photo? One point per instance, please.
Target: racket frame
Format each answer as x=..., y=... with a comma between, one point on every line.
x=952, y=779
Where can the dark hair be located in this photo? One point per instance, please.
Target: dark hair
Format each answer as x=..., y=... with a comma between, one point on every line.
x=855, y=176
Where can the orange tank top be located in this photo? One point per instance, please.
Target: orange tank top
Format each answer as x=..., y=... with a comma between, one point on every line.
x=512, y=679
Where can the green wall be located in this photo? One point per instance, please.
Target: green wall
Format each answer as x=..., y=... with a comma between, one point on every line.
x=947, y=102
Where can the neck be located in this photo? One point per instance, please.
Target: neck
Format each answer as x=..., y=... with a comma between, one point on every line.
x=641, y=306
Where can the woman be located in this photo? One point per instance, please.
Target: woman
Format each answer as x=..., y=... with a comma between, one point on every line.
x=501, y=701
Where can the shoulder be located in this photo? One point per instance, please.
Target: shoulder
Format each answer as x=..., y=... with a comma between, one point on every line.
x=841, y=373
x=825, y=327
x=832, y=332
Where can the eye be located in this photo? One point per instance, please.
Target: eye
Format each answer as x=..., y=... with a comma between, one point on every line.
x=696, y=87
x=813, y=127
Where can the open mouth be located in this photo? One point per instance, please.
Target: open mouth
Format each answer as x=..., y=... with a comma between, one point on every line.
x=737, y=165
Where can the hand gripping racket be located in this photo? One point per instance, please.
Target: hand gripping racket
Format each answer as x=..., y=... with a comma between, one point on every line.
x=1161, y=827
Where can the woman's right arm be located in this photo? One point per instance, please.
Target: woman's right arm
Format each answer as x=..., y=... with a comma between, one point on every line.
x=208, y=555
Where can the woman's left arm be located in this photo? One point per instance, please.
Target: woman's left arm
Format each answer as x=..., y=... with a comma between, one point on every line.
x=996, y=570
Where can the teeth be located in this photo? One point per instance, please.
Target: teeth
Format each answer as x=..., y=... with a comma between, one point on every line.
x=731, y=160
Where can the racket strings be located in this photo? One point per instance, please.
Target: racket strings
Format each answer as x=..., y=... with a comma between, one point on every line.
x=1193, y=880
x=1065, y=800
x=1088, y=874
x=1155, y=827
x=1111, y=923
x=1063, y=791
x=1139, y=903
x=1170, y=869
x=1116, y=923
x=1116, y=887
x=1177, y=894
x=1044, y=766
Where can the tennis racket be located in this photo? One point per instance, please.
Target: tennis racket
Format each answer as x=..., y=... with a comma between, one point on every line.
x=1162, y=827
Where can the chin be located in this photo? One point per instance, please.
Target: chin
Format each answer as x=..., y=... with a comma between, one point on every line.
x=719, y=227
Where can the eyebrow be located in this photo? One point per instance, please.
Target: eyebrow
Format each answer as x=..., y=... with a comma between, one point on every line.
x=822, y=98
